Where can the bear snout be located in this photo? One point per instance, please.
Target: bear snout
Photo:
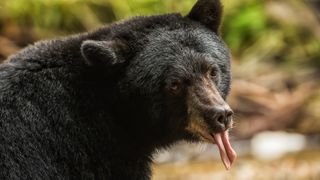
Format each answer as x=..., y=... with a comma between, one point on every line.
x=218, y=118
x=207, y=110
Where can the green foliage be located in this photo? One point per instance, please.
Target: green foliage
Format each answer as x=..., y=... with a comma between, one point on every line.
x=248, y=29
x=80, y=15
x=244, y=25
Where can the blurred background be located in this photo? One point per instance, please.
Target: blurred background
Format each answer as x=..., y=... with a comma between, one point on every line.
x=275, y=46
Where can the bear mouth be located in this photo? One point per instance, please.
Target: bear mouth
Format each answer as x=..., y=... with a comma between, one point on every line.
x=200, y=129
x=227, y=153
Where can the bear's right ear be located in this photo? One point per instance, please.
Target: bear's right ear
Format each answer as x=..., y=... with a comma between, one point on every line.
x=102, y=53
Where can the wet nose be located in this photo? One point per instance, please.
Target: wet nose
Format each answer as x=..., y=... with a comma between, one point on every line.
x=223, y=116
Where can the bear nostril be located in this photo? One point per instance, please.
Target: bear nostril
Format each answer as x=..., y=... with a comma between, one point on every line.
x=221, y=119
x=224, y=117
x=228, y=113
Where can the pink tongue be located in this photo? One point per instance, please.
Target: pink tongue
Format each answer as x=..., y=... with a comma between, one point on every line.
x=227, y=154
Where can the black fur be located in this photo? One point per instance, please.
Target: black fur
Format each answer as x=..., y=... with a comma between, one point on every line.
x=96, y=105
x=208, y=12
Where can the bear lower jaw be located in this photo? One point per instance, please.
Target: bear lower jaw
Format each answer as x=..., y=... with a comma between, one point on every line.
x=227, y=153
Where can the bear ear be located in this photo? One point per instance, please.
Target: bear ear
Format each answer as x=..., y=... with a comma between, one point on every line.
x=207, y=12
x=102, y=53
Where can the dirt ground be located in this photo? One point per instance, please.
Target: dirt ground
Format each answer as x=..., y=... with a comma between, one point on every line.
x=302, y=165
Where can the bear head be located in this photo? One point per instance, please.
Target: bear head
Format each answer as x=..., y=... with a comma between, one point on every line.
x=173, y=76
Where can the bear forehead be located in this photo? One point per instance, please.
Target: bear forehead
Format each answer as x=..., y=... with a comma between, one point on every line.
x=166, y=42
x=184, y=46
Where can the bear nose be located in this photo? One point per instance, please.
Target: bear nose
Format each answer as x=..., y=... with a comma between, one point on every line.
x=224, y=116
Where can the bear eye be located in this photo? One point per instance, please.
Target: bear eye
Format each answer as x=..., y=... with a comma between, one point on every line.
x=175, y=86
x=213, y=73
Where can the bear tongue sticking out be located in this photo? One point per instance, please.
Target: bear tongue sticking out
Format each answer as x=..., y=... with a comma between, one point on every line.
x=227, y=154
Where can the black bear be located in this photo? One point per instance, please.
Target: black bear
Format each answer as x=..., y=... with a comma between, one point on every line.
x=98, y=104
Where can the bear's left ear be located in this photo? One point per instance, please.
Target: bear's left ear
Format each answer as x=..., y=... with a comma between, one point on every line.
x=208, y=13
x=102, y=53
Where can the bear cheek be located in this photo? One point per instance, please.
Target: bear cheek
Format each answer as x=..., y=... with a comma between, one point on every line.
x=196, y=124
